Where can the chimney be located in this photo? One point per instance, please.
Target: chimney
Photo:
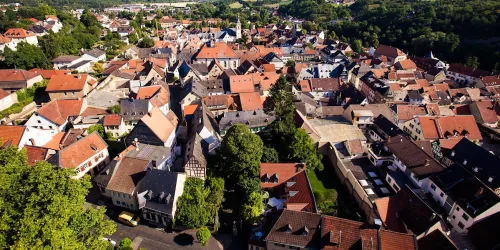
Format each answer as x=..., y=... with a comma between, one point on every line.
x=480, y=191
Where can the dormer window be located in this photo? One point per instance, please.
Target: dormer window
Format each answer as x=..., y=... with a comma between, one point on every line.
x=276, y=178
x=266, y=178
x=305, y=231
x=288, y=228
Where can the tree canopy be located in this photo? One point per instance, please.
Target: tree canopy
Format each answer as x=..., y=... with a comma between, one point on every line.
x=43, y=207
x=253, y=208
x=303, y=149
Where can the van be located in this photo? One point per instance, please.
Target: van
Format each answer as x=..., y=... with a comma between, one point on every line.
x=128, y=218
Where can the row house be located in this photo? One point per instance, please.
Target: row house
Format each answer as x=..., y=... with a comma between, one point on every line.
x=55, y=115
x=464, y=74
x=20, y=136
x=18, y=35
x=13, y=80
x=70, y=86
x=443, y=127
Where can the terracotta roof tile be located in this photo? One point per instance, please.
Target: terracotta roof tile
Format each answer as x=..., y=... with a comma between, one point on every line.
x=80, y=151
x=289, y=229
x=325, y=84
x=384, y=50
x=341, y=233
x=284, y=171
x=158, y=95
x=484, y=111
x=68, y=82
x=269, y=67
x=491, y=80
x=55, y=141
x=436, y=127
x=405, y=64
x=250, y=101
x=112, y=120
x=221, y=50
x=4, y=40
x=3, y=94
x=35, y=154
x=407, y=112
x=48, y=73
x=190, y=109
x=7, y=75
x=58, y=111
x=11, y=135
x=18, y=33
x=241, y=83
x=159, y=124
x=396, y=241
x=304, y=86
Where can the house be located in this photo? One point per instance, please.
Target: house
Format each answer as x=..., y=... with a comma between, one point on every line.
x=157, y=95
x=20, y=136
x=133, y=110
x=219, y=51
x=324, y=87
x=403, y=113
x=241, y=84
x=478, y=161
x=12, y=80
x=94, y=55
x=407, y=65
x=61, y=62
x=154, y=128
x=70, y=86
x=48, y=73
x=485, y=112
x=465, y=74
x=157, y=196
x=6, y=42
x=416, y=163
x=123, y=184
x=303, y=230
x=464, y=198
x=289, y=183
x=18, y=35
x=55, y=115
x=415, y=98
x=35, y=154
x=250, y=101
x=219, y=104
x=87, y=155
x=443, y=127
x=393, y=55
x=382, y=129
x=436, y=240
x=255, y=120
x=407, y=212
x=114, y=125
x=273, y=59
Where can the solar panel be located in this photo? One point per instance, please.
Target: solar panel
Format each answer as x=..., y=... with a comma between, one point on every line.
x=145, y=152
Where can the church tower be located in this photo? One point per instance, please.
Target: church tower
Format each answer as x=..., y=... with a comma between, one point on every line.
x=238, y=29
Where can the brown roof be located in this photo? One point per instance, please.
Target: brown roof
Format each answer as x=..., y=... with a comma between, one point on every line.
x=405, y=64
x=250, y=101
x=290, y=229
x=9, y=75
x=413, y=157
x=90, y=111
x=304, y=86
x=300, y=196
x=55, y=142
x=384, y=50
x=284, y=172
x=58, y=111
x=220, y=50
x=80, y=151
x=157, y=94
x=48, y=73
x=159, y=124
x=269, y=67
x=436, y=240
x=18, y=33
x=407, y=112
x=485, y=111
x=112, y=120
x=129, y=173
x=396, y=241
x=440, y=127
x=4, y=40
x=325, y=84
x=217, y=100
x=35, y=154
x=468, y=71
x=11, y=135
x=68, y=82
x=340, y=233
x=354, y=146
x=491, y=80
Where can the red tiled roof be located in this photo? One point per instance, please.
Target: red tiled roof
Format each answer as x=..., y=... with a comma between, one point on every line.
x=159, y=124
x=269, y=67
x=436, y=127
x=491, y=80
x=468, y=71
x=300, y=196
x=55, y=142
x=68, y=82
x=241, y=83
x=221, y=50
x=190, y=109
x=405, y=64
x=4, y=40
x=8, y=75
x=296, y=221
x=11, y=135
x=35, y=154
x=3, y=94
x=58, y=111
x=284, y=171
x=384, y=50
x=112, y=120
x=325, y=84
x=407, y=112
x=48, y=73
x=18, y=33
x=89, y=111
x=304, y=86
x=396, y=241
x=485, y=111
x=80, y=151
x=250, y=101
x=341, y=233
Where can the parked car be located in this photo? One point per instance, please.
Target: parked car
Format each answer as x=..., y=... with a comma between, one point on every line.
x=128, y=218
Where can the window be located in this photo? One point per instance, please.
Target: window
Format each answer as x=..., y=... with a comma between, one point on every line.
x=458, y=209
x=50, y=127
x=65, y=93
x=461, y=225
x=418, y=131
x=433, y=187
x=453, y=217
x=39, y=121
x=129, y=196
x=441, y=194
x=117, y=203
x=411, y=125
x=465, y=216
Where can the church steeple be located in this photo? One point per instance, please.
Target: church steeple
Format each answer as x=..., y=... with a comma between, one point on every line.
x=238, y=28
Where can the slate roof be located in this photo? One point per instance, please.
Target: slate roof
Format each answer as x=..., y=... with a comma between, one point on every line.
x=162, y=185
x=65, y=59
x=132, y=110
x=251, y=119
x=289, y=229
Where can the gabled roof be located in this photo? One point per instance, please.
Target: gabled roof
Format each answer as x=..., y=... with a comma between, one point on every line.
x=413, y=157
x=35, y=154
x=405, y=65
x=48, y=73
x=112, y=120
x=219, y=51
x=159, y=124
x=18, y=33
x=395, y=241
x=162, y=186
x=325, y=84
x=484, y=111
x=241, y=83
x=484, y=233
x=95, y=53
x=278, y=173
x=158, y=95
x=65, y=59
x=250, y=101
x=79, y=152
x=290, y=229
x=11, y=135
x=440, y=127
x=407, y=112
x=437, y=240
x=10, y=75
x=384, y=50
x=58, y=111
x=68, y=82
x=128, y=175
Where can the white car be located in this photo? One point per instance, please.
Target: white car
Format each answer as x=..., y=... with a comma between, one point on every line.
x=110, y=241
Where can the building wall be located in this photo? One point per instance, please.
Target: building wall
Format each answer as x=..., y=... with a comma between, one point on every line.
x=8, y=101
x=124, y=200
x=179, y=190
x=32, y=81
x=116, y=130
x=55, y=95
x=459, y=217
x=39, y=136
x=412, y=127
x=38, y=121
x=103, y=159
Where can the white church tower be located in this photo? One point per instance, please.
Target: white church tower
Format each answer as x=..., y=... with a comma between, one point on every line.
x=238, y=29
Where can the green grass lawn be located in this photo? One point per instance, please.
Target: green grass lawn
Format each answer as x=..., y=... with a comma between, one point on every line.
x=235, y=5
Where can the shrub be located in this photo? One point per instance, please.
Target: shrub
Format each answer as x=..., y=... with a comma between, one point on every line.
x=203, y=235
x=125, y=243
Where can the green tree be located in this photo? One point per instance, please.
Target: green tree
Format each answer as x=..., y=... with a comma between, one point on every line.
x=357, y=45
x=98, y=68
x=191, y=206
x=115, y=109
x=215, y=185
x=472, y=61
x=125, y=243
x=132, y=38
x=280, y=105
x=26, y=56
x=99, y=128
x=270, y=155
x=240, y=155
x=302, y=149
x=43, y=207
x=290, y=63
x=253, y=208
x=146, y=42
x=203, y=235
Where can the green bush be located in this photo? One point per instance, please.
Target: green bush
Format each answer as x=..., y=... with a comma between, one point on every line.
x=203, y=235
x=125, y=243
